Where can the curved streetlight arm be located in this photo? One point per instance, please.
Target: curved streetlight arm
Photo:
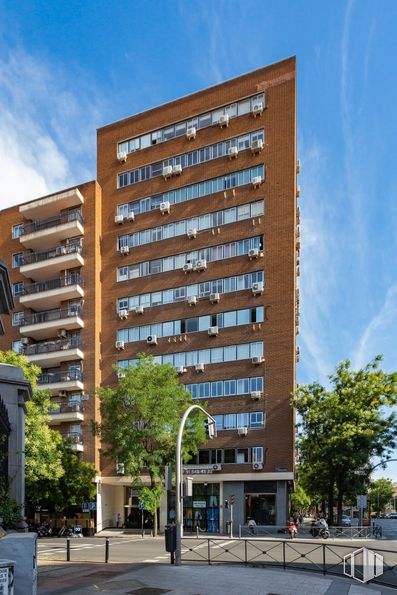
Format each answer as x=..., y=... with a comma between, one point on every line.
x=178, y=464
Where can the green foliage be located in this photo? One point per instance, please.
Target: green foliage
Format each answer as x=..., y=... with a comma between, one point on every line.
x=10, y=511
x=31, y=371
x=141, y=418
x=151, y=497
x=344, y=427
x=381, y=493
x=300, y=500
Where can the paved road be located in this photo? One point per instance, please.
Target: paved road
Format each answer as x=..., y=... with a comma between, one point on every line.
x=389, y=528
x=92, y=549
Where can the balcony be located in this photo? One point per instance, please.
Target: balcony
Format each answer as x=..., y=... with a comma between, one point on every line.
x=43, y=325
x=53, y=353
x=45, y=233
x=65, y=412
x=44, y=265
x=51, y=205
x=75, y=439
x=49, y=294
x=58, y=381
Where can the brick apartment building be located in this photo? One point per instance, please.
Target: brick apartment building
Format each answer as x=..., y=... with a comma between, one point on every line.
x=185, y=247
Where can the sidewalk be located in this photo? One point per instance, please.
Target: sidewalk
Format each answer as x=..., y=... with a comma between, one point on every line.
x=156, y=579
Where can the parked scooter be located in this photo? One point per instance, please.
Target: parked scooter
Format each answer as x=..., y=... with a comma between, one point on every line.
x=66, y=531
x=45, y=530
x=292, y=529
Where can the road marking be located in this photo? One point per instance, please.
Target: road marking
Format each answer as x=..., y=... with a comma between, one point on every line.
x=161, y=557
x=151, y=561
x=81, y=546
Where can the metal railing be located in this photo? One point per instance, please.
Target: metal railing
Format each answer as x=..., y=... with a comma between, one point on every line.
x=41, y=224
x=51, y=346
x=49, y=315
x=66, y=376
x=56, y=407
x=57, y=283
x=322, y=557
x=62, y=250
x=305, y=531
x=74, y=437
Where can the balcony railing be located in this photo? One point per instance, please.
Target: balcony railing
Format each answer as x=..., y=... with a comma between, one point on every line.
x=41, y=224
x=40, y=286
x=51, y=346
x=32, y=257
x=50, y=315
x=65, y=408
x=67, y=376
x=75, y=437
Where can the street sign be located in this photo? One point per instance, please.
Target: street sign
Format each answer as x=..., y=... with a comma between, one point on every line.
x=232, y=499
x=141, y=506
x=362, y=501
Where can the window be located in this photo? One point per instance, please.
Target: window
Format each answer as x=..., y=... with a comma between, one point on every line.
x=17, y=231
x=17, y=260
x=256, y=419
x=257, y=454
x=17, y=346
x=17, y=318
x=17, y=289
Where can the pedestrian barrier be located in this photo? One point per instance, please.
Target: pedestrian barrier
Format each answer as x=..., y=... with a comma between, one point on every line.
x=322, y=557
x=304, y=531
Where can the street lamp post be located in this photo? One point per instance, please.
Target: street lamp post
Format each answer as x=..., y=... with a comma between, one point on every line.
x=178, y=463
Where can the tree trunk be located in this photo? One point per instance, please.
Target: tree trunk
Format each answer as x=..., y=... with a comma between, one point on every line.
x=331, y=504
x=339, y=502
x=155, y=522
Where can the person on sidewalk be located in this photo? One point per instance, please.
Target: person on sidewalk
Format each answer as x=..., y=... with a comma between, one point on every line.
x=118, y=520
x=252, y=525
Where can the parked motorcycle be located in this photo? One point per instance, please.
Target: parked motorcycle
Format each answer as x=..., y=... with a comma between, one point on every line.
x=292, y=529
x=320, y=529
x=45, y=530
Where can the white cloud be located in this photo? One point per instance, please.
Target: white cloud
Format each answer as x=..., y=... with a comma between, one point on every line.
x=47, y=128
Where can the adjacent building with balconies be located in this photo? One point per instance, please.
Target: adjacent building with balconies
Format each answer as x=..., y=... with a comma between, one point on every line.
x=187, y=248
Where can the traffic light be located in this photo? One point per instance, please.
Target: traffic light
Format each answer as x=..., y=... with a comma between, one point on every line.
x=210, y=428
x=226, y=504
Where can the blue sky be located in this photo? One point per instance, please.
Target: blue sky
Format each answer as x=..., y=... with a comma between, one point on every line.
x=68, y=67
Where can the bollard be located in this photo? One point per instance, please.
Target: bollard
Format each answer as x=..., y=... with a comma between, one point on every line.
x=107, y=550
x=68, y=550
x=197, y=532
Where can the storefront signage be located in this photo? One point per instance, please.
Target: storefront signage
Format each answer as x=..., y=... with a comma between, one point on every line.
x=199, y=504
x=200, y=469
x=4, y=581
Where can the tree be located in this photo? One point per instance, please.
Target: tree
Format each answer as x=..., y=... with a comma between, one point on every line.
x=344, y=427
x=300, y=500
x=54, y=475
x=140, y=422
x=381, y=493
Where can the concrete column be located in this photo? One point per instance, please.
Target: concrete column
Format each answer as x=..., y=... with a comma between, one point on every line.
x=236, y=489
x=281, y=503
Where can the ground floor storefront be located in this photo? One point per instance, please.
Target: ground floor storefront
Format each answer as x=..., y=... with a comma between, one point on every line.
x=217, y=499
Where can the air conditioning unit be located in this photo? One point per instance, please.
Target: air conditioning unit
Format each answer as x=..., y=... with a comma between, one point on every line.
x=120, y=468
x=119, y=219
x=256, y=395
x=258, y=359
x=257, y=466
x=298, y=166
x=217, y=467
x=199, y=367
x=62, y=333
x=167, y=172
x=165, y=207
x=192, y=300
x=232, y=152
x=242, y=431
x=65, y=346
x=130, y=217
x=62, y=393
x=187, y=268
x=224, y=121
x=192, y=233
x=298, y=191
x=215, y=298
x=253, y=253
x=122, y=156
x=85, y=397
x=120, y=374
x=119, y=345
x=123, y=314
x=61, y=250
x=213, y=331
x=191, y=133
x=125, y=250
x=180, y=370
x=177, y=170
x=25, y=340
x=200, y=265
x=257, y=109
x=257, y=288
x=256, y=146
x=139, y=310
x=151, y=340
x=256, y=181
